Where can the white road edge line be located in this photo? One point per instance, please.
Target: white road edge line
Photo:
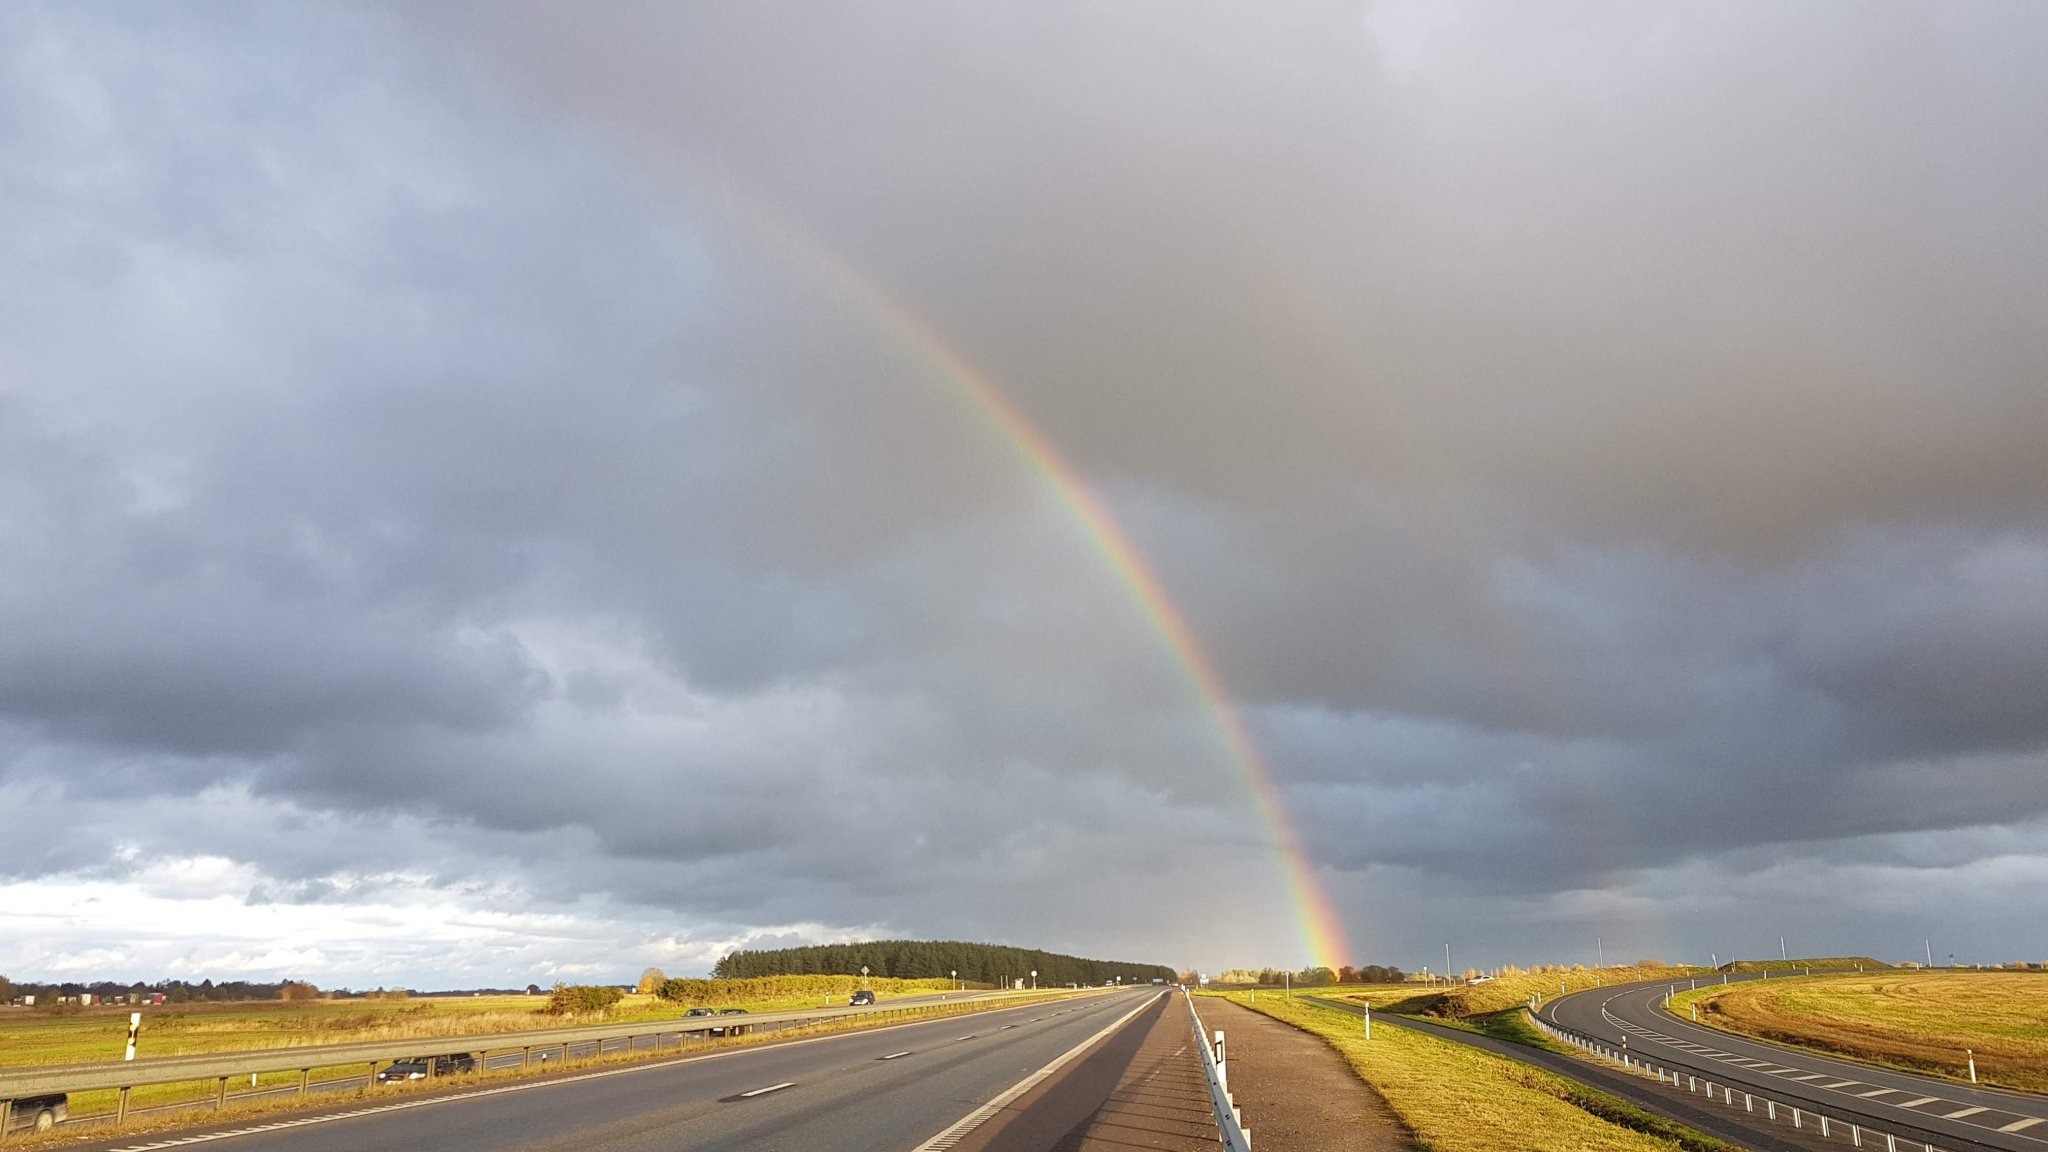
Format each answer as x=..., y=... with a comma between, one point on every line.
x=768, y=1089
x=975, y=1119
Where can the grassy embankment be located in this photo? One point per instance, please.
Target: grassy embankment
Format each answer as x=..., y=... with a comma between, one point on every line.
x=1459, y=1099
x=1919, y=1021
x=29, y=1038
x=1803, y=964
x=1495, y=1007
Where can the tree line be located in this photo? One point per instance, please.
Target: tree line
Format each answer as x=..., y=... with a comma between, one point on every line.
x=929, y=959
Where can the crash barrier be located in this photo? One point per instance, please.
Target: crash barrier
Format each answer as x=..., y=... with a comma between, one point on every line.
x=1229, y=1122
x=536, y=1047
x=1855, y=1132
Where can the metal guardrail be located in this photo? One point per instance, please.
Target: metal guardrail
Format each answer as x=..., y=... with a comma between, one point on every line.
x=221, y=1067
x=1229, y=1121
x=1800, y=1114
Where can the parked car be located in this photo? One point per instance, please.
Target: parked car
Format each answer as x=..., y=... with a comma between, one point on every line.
x=37, y=1113
x=415, y=1067
x=730, y=1029
x=861, y=997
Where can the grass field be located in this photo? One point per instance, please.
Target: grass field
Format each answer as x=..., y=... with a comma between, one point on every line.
x=1921, y=1021
x=1458, y=1099
x=28, y=1037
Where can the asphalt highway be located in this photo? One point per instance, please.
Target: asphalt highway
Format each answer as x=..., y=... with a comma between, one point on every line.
x=888, y=1088
x=542, y=1055
x=1959, y=1115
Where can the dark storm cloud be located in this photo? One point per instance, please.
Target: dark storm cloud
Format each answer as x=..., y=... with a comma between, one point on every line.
x=1601, y=450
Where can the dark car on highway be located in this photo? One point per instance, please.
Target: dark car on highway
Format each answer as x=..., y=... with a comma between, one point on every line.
x=861, y=997
x=415, y=1067
x=37, y=1113
x=730, y=1029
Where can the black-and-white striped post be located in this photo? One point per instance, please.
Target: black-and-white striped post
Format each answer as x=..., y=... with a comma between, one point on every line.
x=134, y=1027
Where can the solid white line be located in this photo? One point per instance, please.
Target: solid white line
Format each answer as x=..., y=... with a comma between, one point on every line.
x=768, y=1089
x=960, y=1128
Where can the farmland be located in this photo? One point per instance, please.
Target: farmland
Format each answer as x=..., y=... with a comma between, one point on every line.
x=30, y=1037
x=1920, y=1021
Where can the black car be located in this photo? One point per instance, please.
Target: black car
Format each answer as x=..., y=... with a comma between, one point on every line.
x=37, y=1113
x=730, y=1029
x=415, y=1067
x=861, y=997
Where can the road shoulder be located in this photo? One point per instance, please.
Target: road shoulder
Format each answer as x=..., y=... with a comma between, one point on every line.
x=1296, y=1092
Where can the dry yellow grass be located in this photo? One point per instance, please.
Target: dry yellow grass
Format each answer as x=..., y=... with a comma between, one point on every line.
x=1459, y=1099
x=1919, y=1021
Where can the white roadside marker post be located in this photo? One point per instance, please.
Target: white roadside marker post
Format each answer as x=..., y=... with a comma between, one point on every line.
x=1973, y=1064
x=134, y=1026
x=1368, y=1020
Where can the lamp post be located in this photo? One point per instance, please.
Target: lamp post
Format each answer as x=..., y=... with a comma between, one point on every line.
x=956, y=979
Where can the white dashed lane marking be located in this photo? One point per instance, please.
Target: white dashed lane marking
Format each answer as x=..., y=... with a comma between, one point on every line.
x=768, y=1089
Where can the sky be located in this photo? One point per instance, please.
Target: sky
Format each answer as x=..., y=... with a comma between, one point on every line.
x=506, y=492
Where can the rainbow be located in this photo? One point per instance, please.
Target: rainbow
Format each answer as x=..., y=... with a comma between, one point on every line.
x=1322, y=931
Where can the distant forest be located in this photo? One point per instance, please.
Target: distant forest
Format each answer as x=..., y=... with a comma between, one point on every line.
x=919, y=959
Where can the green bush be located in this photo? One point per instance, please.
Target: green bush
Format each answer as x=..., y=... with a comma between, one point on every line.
x=571, y=999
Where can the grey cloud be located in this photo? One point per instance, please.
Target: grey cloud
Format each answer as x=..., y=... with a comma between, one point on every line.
x=1591, y=449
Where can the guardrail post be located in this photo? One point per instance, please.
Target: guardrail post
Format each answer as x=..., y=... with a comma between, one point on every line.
x=1823, y=1126
x=1795, y=1117
x=6, y=1118
x=220, y=1094
x=1891, y=1143
x=1856, y=1135
x=305, y=1080
x=121, y=1109
x=1770, y=1109
x=370, y=1078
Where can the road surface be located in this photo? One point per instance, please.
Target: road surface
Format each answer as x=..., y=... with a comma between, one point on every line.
x=1960, y=1114
x=890, y=1088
